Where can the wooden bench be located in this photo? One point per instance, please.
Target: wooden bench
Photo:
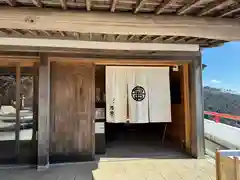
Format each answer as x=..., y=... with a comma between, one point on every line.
x=228, y=165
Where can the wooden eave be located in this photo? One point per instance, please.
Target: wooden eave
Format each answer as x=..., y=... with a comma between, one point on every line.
x=204, y=22
x=63, y=35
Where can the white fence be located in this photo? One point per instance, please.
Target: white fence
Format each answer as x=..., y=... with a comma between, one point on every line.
x=223, y=134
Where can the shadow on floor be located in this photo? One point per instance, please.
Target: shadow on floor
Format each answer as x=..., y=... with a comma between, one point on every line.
x=76, y=171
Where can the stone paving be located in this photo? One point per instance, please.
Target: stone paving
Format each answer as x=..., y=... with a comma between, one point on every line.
x=153, y=168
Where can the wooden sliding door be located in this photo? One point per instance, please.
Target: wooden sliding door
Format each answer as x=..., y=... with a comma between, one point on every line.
x=72, y=105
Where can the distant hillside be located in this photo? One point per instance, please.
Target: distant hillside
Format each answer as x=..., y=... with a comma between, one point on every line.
x=222, y=101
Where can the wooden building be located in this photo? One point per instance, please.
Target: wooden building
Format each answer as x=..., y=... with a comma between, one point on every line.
x=64, y=45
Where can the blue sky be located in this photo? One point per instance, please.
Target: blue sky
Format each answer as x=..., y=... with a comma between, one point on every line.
x=223, y=66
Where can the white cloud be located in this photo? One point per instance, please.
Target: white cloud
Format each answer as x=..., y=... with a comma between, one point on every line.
x=215, y=81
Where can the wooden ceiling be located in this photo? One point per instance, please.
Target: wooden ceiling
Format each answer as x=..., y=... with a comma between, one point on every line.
x=212, y=8
x=221, y=9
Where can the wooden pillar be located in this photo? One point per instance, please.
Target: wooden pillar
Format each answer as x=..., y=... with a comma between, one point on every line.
x=17, y=126
x=43, y=112
x=187, y=107
x=197, y=133
x=35, y=106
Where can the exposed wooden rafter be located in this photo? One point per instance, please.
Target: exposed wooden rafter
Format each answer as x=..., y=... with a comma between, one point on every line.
x=11, y=2
x=63, y=34
x=104, y=37
x=163, y=6
x=119, y=23
x=117, y=37
x=213, y=6
x=130, y=38
x=88, y=5
x=170, y=39
x=37, y=3
x=34, y=33
x=158, y=38
x=192, y=40
x=6, y=31
x=212, y=41
x=90, y=36
x=47, y=33
x=180, y=39
x=113, y=5
x=139, y=5
x=19, y=32
x=188, y=7
x=230, y=10
x=63, y=4
x=144, y=37
x=76, y=34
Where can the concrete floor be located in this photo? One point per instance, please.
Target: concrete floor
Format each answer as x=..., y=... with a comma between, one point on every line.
x=154, y=168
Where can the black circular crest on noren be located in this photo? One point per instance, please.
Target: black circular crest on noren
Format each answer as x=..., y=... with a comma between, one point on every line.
x=138, y=93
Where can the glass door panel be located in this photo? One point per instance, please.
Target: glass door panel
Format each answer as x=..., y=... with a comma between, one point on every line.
x=18, y=115
x=28, y=119
x=8, y=115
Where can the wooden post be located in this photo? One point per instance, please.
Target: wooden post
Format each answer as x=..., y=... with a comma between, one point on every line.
x=35, y=106
x=17, y=125
x=187, y=108
x=218, y=166
x=197, y=133
x=43, y=112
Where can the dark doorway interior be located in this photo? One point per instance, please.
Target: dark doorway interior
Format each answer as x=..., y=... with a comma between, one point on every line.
x=134, y=140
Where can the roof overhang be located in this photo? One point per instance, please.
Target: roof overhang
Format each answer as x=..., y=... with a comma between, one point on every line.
x=94, y=45
x=75, y=24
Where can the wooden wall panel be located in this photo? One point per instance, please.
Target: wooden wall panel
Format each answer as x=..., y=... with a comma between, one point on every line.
x=176, y=129
x=72, y=108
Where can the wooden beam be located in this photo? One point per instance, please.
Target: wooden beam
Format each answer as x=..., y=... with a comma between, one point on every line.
x=55, y=43
x=43, y=112
x=164, y=4
x=213, y=6
x=188, y=7
x=37, y=3
x=63, y=4
x=11, y=2
x=119, y=23
x=230, y=11
x=140, y=3
x=113, y=6
x=88, y=5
